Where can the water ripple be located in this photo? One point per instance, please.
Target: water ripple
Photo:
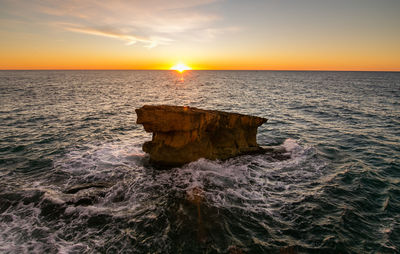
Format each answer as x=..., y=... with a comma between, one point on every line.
x=73, y=177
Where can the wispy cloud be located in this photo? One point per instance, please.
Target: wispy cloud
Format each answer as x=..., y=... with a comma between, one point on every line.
x=128, y=39
x=149, y=23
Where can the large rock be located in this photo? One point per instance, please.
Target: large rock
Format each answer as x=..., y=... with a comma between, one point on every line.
x=185, y=134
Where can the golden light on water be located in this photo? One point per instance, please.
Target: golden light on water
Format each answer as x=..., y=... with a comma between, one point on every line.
x=180, y=67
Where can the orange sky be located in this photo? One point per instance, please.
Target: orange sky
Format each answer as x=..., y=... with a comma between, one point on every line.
x=246, y=35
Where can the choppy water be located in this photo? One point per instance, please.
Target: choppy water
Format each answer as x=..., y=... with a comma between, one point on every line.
x=338, y=193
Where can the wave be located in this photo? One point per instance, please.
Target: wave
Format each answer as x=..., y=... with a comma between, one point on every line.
x=244, y=194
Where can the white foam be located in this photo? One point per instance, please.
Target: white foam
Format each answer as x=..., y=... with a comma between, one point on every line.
x=103, y=162
x=253, y=183
x=291, y=145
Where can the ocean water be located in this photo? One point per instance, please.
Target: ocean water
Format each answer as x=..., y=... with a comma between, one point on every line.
x=339, y=192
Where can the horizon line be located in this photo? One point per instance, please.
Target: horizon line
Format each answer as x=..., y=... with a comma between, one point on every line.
x=299, y=70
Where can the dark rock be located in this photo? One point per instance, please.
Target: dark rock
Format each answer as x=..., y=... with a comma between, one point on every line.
x=185, y=134
x=99, y=220
x=74, y=189
x=51, y=209
x=86, y=198
x=87, y=194
x=85, y=201
x=276, y=152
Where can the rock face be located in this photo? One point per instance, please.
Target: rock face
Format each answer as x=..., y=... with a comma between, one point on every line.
x=185, y=134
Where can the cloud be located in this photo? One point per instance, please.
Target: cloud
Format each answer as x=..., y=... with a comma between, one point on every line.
x=149, y=23
x=129, y=39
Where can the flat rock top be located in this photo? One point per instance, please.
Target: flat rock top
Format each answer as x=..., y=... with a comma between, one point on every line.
x=165, y=118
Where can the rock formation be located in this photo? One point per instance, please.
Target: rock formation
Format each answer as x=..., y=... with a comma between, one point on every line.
x=185, y=134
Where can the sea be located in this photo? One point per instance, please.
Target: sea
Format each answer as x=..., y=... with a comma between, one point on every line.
x=74, y=178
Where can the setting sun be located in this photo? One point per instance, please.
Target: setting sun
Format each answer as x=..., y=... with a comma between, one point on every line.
x=181, y=67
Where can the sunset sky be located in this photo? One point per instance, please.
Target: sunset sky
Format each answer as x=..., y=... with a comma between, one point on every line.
x=203, y=34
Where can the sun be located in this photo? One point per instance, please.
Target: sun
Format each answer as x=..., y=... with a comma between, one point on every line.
x=181, y=67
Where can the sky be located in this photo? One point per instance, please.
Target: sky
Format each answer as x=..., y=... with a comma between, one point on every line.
x=360, y=35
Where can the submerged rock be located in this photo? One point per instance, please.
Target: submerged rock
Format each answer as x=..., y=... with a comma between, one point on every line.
x=87, y=193
x=76, y=188
x=185, y=134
